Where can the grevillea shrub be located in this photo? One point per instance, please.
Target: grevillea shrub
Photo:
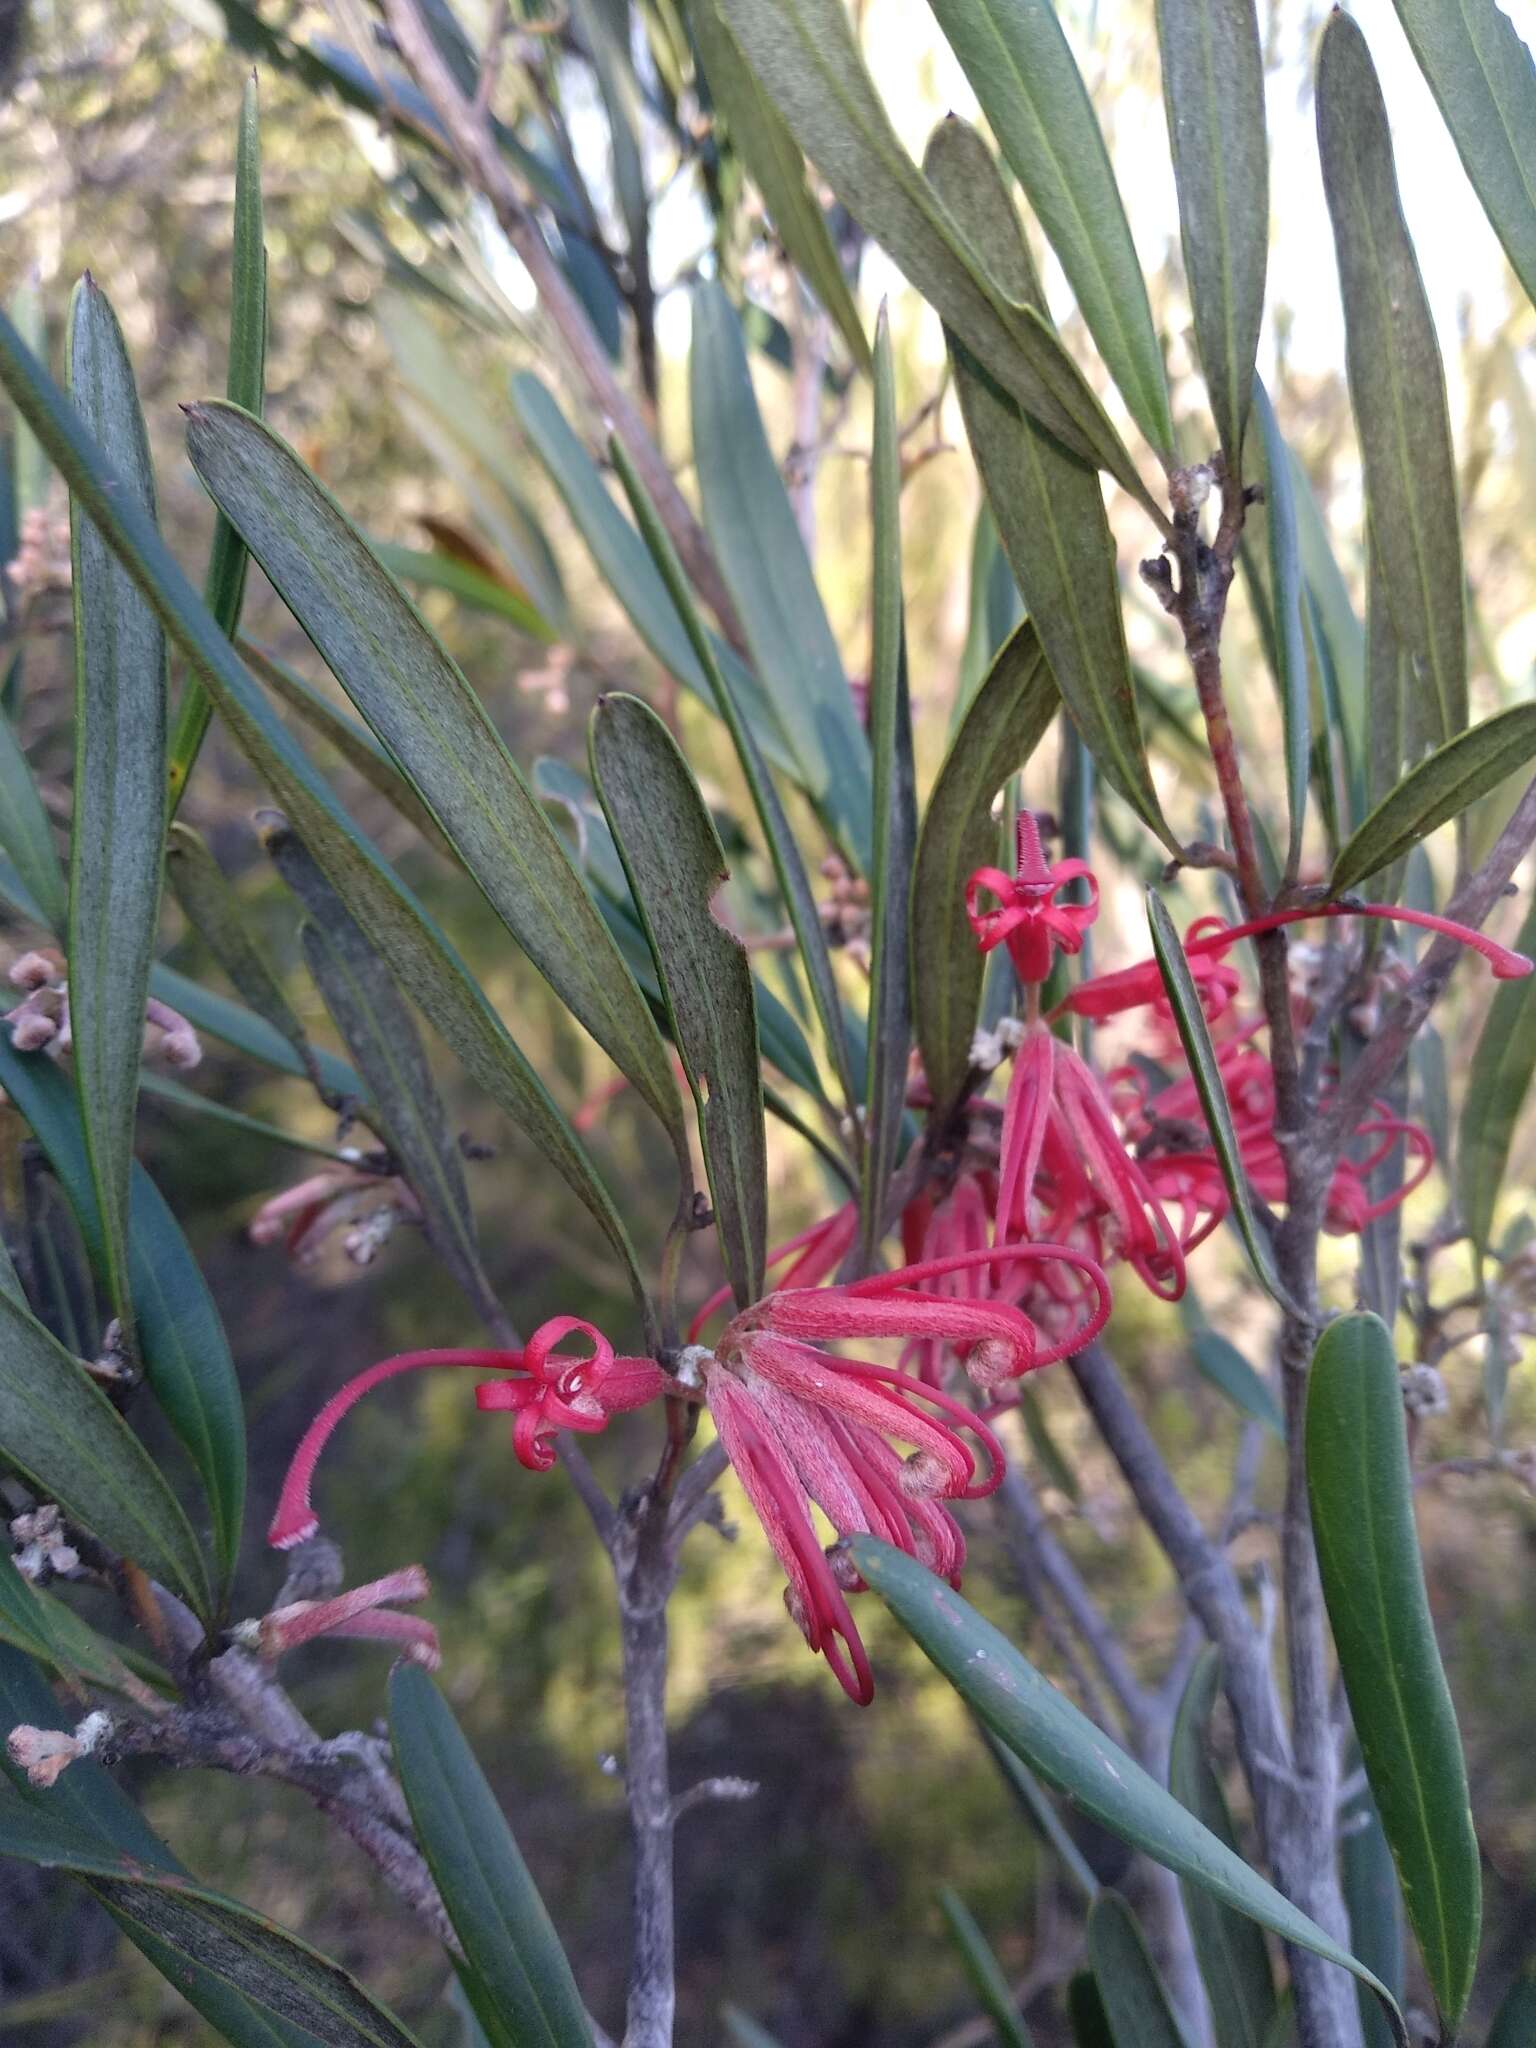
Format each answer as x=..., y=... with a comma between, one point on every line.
x=928, y=998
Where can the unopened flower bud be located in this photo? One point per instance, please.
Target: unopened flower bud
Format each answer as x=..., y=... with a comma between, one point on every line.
x=924, y=1476
x=843, y=1568
x=991, y=1362
x=46, y=1753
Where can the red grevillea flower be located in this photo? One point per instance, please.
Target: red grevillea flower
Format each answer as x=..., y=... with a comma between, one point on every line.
x=547, y=1390
x=822, y=1249
x=1028, y=919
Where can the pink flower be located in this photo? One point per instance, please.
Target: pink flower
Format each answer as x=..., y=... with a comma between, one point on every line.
x=1028, y=919
x=362, y=1613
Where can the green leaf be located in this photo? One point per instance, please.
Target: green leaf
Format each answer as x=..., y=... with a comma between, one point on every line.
x=48, y=1630
x=1049, y=506
x=1059, y=1742
x=494, y=1905
x=1374, y=1903
x=1360, y=1485
x=806, y=57
x=1285, y=584
x=1396, y=381
x=751, y=526
x=1043, y=1817
x=224, y=585
x=624, y=563
x=890, y=731
x=62, y=1433
x=379, y=1031
x=181, y=1338
x=783, y=850
x=675, y=865
x=1395, y=710
x=217, y=1016
x=777, y=168
x=1009, y=716
x=1022, y=71
x=1514, y=2024
x=1439, y=788
x=1195, y=1037
x=1481, y=73
x=27, y=835
x=1085, y=2013
x=394, y=921
x=984, y=1971
x=1213, y=89
x=173, y=1095
x=472, y=586
x=1497, y=1085
x=424, y=713
x=119, y=786
x=1337, y=642
x=215, y=912
x=1220, y=1361
x=1234, y=1963
x=1134, y=1995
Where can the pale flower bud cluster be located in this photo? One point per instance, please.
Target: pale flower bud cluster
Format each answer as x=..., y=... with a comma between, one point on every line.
x=41, y=561
x=1424, y=1391
x=41, y=1023
x=41, y=1550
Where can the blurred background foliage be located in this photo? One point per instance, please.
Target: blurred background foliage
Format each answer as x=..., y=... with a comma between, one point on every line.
x=814, y=1906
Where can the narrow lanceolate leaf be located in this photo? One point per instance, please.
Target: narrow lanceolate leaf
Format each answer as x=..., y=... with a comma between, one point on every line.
x=673, y=858
x=1396, y=380
x=494, y=1905
x=1481, y=73
x=1373, y=1900
x=1134, y=1995
x=1218, y=1360
x=1048, y=505
x=1213, y=88
x=427, y=966
x=1500, y=1077
x=422, y=710
x=1027, y=1713
x=1195, y=1036
x=470, y=583
x=984, y=1971
x=1022, y=71
x=215, y=912
x=200, y=1931
x=1009, y=716
x=788, y=866
x=1514, y=2024
x=1395, y=735
x=1229, y=1948
x=752, y=528
x=1285, y=591
x=890, y=731
x=775, y=165
x=1360, y=1485
x=380, y=1033
x=26, y=834
x=1438, y=789
x=63, y=1434
x=217, y=1016
x=805, y=54
x=119, y=789
x=224, y=585
x=181, y=1338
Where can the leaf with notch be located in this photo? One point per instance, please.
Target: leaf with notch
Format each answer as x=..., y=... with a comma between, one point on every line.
x=1396, y=380
x=419, y=706
x=121, y=678
x=675, y=865
x=1022, y=70
x=1048, y=505
x=1008, y=717
x=1360, y=1486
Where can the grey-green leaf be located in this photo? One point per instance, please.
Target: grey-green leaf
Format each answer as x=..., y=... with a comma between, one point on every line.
x=1285, y=589
x=1219, y=1360
x=121, y=678
x=61, y=1431
x=26, y=834
x=984, y=1971
x=895, y=835
x=1213, y=88
x=751, y=526
x=1481, y=73
x=1498, y=1083
x=1229, y=1948
x=1396, y=380
x=1059, y=1742
x=1009, y=716
x=1048, y=505
x=1373, y=1900
x=1438, y=789
x=1022, y=71
x=423, y=711
x=673, y=858
x=1360, y=1486
x=1134, y=1996
x=773, y=159
x=492, y=1901
x=1195, y=1037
